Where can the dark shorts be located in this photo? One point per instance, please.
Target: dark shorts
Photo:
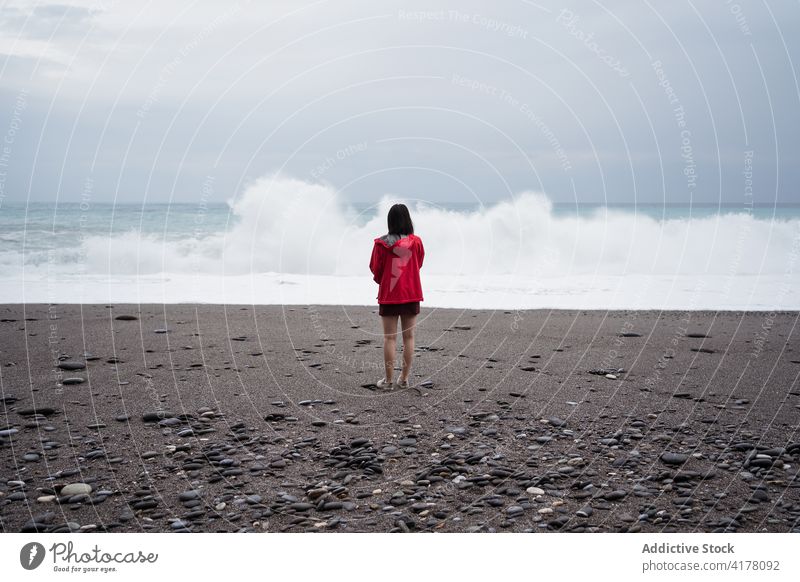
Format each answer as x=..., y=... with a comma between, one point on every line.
x=394, y=309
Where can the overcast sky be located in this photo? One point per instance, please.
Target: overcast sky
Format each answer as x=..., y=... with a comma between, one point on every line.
x=443, y=101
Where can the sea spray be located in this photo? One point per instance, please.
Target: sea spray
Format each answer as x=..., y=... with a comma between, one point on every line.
x=285, y=225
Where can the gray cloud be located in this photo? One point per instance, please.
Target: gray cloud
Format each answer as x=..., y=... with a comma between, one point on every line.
x=46, y=21
x=450, y=98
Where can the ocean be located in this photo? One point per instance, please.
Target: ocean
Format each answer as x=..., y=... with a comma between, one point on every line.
x=297, y=243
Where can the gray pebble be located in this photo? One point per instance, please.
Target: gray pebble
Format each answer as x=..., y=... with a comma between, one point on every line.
x=674, y=458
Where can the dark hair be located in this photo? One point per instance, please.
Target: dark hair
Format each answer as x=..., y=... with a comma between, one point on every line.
x=399, y=220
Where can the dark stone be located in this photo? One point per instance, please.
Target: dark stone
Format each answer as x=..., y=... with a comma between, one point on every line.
x=157, y=415
x=43, y=410
x=674, y=458
x=189, y=495
x=616, y=495
x=72, y=365
x=144, y=504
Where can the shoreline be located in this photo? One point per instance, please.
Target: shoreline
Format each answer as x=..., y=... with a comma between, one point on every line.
x=502, y=292
x=208, y=417
x=644, y=310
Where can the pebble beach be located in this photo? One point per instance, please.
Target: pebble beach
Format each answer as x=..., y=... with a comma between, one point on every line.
x=266, y=418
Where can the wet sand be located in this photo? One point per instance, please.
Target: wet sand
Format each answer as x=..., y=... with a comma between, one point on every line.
x=265, y=418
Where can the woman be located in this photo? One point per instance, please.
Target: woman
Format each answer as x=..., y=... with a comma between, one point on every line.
x=396, y=259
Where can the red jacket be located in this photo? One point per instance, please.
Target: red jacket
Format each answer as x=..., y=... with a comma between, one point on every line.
x=396, y=269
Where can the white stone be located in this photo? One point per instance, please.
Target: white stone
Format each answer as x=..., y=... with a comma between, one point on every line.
x=76, y=489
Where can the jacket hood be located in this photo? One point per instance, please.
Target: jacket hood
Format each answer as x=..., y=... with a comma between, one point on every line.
x=390, y=240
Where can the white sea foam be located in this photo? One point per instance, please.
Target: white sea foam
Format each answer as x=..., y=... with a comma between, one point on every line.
x=290, y=226
x=291, y=241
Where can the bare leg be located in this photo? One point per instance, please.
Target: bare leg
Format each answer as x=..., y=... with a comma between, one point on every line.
x=389, y=344
x=408, y=323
